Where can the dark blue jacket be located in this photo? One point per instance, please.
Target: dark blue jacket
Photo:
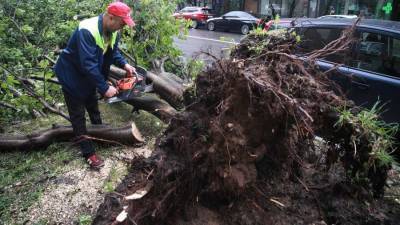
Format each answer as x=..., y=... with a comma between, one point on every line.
x=82, y=67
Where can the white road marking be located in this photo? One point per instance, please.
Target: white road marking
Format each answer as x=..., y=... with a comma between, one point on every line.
x=210, y=39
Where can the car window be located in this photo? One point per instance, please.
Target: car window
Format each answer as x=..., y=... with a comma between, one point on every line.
x=317, y=38
x=189, y=10
x=373, y=52
x=245, y=15
x=396, y=57
x=232, y=14
x=314, y=38
x=377, y=53
x=205, y=11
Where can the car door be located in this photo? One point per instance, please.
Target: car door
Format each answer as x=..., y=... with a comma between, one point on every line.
x=220, y=23
x=227, y=21
x=236, y=22
x=375, y=72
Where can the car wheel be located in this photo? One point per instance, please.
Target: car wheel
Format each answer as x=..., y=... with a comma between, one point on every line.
x=245, y=29
x=211, y=26
x=195, y=24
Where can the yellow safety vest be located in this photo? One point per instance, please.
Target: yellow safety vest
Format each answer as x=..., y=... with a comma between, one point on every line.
x=92, y=25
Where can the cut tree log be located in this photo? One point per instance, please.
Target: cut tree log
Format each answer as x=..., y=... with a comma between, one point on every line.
x=127, y=135
x=173, y=77
x=153, y=105
x=168, y=89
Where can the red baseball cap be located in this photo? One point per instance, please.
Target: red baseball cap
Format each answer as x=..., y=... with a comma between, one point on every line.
x=122, y=10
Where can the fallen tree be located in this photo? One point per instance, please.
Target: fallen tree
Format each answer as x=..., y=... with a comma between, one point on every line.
x=150, y=103
x=128, y=135
x=244, y=151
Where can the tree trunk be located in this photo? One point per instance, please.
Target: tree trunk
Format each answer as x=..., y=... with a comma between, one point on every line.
x=127, y=135
x=153, y=105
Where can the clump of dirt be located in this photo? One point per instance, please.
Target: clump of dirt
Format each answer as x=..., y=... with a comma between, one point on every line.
x=244, y=150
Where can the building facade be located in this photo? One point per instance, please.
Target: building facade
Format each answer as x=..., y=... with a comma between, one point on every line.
x=374, y=9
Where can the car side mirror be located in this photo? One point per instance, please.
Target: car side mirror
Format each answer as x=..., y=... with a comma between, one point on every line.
x=223, y=17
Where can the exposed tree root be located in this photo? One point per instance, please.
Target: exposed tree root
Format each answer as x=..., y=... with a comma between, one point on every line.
x=245, y=148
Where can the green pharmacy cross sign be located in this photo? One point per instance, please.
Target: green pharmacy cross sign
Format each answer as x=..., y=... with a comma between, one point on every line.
x=387, y=8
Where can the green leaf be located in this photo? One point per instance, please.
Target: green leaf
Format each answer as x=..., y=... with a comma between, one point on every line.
x=11, y=80
x=44, y=64
x=19, y=12
x=4, y=85
x=27, y=29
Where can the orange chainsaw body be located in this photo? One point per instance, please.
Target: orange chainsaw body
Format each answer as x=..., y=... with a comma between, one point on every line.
x=126, y=83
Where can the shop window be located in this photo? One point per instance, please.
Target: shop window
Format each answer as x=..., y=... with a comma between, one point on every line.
x=371, y=9
x=271, y=7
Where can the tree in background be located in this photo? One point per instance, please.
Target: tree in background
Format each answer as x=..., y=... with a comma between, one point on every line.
x=153, y=36
x=32, y=31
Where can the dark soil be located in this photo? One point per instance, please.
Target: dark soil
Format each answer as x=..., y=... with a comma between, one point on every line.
x=244, y=151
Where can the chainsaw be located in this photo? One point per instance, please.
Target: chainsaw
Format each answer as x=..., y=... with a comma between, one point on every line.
x=131, y=87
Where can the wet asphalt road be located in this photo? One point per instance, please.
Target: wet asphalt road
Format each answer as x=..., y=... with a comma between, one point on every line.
x=201, y=39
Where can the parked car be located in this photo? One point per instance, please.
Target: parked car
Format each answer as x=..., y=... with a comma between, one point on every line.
x=370, y=70
x=198, y=15
x=237, y=21
x=338, y=16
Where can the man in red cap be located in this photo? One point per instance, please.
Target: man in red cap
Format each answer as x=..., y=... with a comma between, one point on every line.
x=83, y=67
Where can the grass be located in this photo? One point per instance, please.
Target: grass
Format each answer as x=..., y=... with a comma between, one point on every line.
x=379, y=133
x=85, y=220
x=25, y=175
x=114, y=178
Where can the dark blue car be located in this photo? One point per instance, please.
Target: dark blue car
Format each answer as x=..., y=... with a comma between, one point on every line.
x=371, y=67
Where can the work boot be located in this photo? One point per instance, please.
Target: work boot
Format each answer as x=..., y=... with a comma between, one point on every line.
x=95, y=162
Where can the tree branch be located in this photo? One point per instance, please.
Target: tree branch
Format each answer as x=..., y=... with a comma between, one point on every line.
x=47, y=105
x=6, y=105
x=19, y=29
x=51, y=80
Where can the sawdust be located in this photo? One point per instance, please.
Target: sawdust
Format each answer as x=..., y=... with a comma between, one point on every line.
x=80, y=191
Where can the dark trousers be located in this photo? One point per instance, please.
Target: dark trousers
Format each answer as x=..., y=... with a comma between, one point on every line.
x=76, y=109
